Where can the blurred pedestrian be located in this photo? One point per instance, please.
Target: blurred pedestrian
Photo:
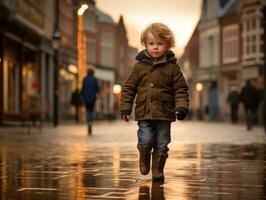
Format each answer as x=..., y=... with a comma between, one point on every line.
x=250, y=99
x=89, y=91
x=76, y=101
x=233, y=100
x=162, y=96
x=213, y=102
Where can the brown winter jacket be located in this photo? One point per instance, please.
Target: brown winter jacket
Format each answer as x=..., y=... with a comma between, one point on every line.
x=160, y=88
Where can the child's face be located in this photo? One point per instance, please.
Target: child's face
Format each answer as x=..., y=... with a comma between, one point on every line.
x=156, y=47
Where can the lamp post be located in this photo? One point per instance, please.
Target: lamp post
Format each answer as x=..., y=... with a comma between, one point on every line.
x=199, y=88
x=81, y=52
x=81, y=44
x=56, y=45
x=117, y=92
x=1, y=73
x=264, y=68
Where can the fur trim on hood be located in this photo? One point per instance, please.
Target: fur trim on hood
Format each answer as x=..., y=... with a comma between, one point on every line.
x=169, y=56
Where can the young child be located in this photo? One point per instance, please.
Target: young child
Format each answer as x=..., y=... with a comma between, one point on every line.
x=162, y=96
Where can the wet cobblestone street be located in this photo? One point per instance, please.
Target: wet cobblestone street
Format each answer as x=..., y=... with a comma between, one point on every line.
x=222, y=162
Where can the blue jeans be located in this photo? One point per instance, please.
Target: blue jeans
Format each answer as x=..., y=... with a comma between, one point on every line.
x=154, y=134
x=250, y=118
x=89, y=112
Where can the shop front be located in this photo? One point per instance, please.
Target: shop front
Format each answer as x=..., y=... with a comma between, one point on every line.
x=21, y=75
x=67, y=85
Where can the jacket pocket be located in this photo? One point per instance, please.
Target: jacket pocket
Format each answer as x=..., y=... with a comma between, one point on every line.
x=140, y=106
x=168, y=105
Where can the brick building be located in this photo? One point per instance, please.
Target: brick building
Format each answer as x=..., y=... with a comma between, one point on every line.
x=26, y=57
x=67, y=79
x=189, y=62
x=230, y=49
x=106, y=52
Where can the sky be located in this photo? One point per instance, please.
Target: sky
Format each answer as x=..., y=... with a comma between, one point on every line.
x=181, y=16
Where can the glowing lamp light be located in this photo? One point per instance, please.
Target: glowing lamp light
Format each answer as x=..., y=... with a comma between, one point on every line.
x=117, y=89
x=82, y=9
x=73, y=68
x=199, y=87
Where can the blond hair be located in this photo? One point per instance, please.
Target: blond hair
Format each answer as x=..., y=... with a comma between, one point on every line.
x=159, y=31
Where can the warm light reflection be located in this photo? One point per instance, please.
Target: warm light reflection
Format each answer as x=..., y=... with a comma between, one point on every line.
x=3, y=171
x=75, y=153
x=198, y=153
x=78, y=169
x=116, y=166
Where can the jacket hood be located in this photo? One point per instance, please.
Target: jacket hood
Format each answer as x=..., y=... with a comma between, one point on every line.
x=169, y=56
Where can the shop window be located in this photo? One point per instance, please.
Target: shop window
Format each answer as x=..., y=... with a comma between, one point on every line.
x=11, y=87
x=31, y=87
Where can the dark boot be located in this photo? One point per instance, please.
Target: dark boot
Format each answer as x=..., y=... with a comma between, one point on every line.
x=158, y=162
x=144, y=193
x=89, y=129
x=144, y=160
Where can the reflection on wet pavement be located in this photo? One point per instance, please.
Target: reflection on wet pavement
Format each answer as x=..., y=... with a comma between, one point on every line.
x=36, y=168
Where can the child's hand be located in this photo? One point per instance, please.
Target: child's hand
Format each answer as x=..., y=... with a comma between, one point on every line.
x=125, y=115
x=181, y=113
x=125, y=118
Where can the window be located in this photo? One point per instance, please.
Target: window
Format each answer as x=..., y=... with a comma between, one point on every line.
x=230, y=43
x=90, y=21
x=211, y=49
x=106, y=57
x=107, y=40
x=250, y=37
x=91, y=52
x=11, y=87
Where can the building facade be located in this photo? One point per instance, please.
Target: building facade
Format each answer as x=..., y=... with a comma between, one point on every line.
x=230, y=50
x=252, y=58
x=26, y=57
x=67, y=58
x=122, y=54
x=107, y=53
x=189, y=63
x=230, y=55
x=35, y=76
x=209, y=51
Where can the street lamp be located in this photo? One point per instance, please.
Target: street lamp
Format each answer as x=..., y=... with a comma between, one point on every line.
x=117, y=89
x=264, y=67
x=56, y=40
x=199, y=88
x=82, y=9
x=81, y=44
x=56, y=45
x=117, y=93
x=81, y=52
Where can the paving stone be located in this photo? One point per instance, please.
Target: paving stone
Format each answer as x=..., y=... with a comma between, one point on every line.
x=64, y=163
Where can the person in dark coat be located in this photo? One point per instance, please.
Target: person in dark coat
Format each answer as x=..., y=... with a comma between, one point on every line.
x=76, y=101
x=213, y=102
x=233, y=100
x=89, y=91
x=249, y=97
